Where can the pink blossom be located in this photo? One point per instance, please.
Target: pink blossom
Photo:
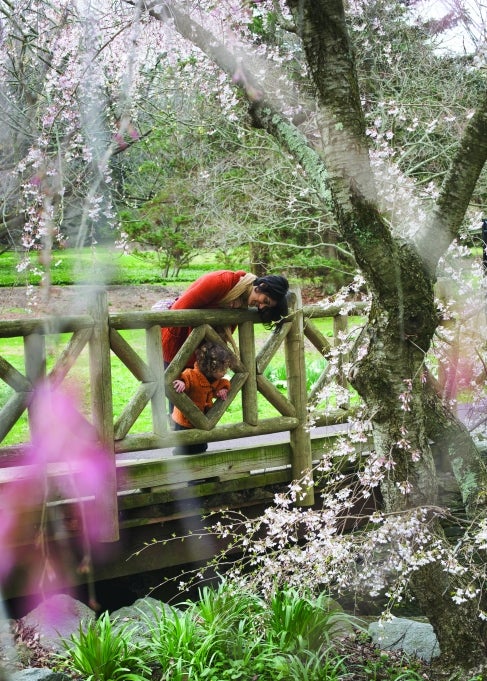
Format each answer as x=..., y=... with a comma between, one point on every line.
x=63, y=439
x=64, y=459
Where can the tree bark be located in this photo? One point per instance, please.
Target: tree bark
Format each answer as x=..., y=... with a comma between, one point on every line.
x=403, y=317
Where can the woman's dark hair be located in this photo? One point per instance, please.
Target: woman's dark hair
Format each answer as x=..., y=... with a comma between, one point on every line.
x=277, y=288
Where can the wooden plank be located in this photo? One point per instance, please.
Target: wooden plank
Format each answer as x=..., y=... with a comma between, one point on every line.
x=321, y=310
x=192, y=318
x=314, y=335
x=12, y=454
x=13, y=377
x=340, y=327
x=35, y=364
x=69, y=355
x=133, y=409
x=155, y=360
x=165, y=494
x=276, y=398
x=129, y=357
x=246, y=343
x=230, y=431
x=102, y=409
x=35, y=358
x=271, y=346
x=189, y=409
x=182, y=469
x=12, y=328
x=12, y=411
x=296, y=373
x=220, y=406
x=314, y=395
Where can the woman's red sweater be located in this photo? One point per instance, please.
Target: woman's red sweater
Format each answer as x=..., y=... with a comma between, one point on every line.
x=205, y=292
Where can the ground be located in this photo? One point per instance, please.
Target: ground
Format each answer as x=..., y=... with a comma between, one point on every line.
x=17, y=302
x=21, y=301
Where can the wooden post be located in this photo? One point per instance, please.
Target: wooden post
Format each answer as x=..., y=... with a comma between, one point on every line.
x=102, y=409
x=246, y=343
x=156, y=363
x=340, y=327
x=35, y=363
x=300, y=441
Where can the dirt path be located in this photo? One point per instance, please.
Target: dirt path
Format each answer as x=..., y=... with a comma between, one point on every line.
x=18, y=301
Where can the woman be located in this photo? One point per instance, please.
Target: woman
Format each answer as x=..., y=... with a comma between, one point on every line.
x=227, y=289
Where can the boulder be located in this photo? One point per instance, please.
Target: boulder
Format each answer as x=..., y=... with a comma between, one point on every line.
x=56, y=618
x=414, y=638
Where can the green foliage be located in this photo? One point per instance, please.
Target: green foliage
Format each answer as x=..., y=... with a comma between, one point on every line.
x=170, y=226
x=380, y=668
x=231, y=634
x=178, y=646
x=398, y=65
x=103, y=266
x=331, y=273
x=309, y=666
x=299, y=622
x=277, y=373
x=103, y=653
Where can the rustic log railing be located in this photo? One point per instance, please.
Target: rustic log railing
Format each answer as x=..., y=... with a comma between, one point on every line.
x=144, y=473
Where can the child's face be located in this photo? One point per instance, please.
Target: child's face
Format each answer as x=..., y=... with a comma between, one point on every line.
x=217, y=373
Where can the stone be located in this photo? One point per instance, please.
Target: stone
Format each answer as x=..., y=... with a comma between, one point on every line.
x=56, y=618
x=38, y=674
x=414, y=638
x=139, y=616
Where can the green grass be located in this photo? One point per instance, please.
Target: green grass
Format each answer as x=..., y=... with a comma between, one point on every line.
x=101, y=265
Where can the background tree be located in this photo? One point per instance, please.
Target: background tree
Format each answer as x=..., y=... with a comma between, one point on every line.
x=243, y=191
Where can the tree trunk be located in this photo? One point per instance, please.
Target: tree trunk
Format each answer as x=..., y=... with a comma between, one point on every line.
x=390, y=376
x=259, y=259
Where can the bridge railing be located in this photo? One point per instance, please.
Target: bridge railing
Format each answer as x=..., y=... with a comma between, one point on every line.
x=142, y=469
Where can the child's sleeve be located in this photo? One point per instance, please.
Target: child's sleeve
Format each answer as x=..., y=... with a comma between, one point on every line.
x=187, y=376
x=223, y=383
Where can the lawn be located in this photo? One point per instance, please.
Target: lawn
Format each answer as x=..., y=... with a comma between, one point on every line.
x=101, y=265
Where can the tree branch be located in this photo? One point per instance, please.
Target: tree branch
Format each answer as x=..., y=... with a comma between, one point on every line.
x=263, y=113
x=456, y=190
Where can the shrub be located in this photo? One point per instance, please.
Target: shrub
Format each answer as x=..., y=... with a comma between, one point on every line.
x=103, y=653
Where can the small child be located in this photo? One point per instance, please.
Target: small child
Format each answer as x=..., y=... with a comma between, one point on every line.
x=202, y=384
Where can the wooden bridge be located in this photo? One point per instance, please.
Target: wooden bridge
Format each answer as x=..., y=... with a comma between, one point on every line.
x=150, y=493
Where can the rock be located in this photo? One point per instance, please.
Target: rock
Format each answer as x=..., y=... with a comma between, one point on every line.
x=140, y=615
x=38, y=674
x=413, y=637
x=56, y=618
